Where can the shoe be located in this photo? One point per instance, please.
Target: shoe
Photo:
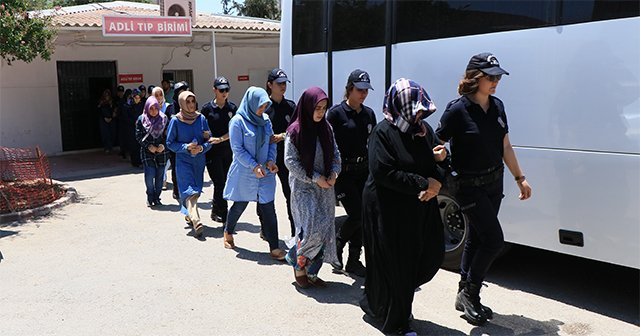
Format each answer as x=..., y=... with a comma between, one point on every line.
x=198, y=230
x=158, y=203
x=228, y=241
x=469, y=298
x=338, y=265
x=149, y=204
x=262, y=236
x=278, y=254
x=317, y=282
x=488, y=313
x=216, y=218
x=302, y=280
x=354, y=266
x=188, y=220
x=164, y=185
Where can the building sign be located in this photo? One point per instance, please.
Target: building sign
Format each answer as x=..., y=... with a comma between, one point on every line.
x=130, y=78
x=178, y=8
x=120, y=25
x=243, y=78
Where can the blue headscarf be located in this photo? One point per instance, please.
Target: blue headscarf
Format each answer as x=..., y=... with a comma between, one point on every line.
x=251, y=102
x=403, y=101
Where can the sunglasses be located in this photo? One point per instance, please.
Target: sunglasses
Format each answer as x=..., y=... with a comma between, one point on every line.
x=493, y=78
x=223, y=90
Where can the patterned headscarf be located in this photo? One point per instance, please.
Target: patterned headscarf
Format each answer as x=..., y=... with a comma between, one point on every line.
x=304, y=131
x=153, y=125
x=251, y=102
x=403, y=101
x=186, y=116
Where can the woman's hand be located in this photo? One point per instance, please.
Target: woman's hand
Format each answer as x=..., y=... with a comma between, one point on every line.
x=152, y=148
x=332, y=179
x=439, y=153
x=525, y=190
x=160, y=148
x=273, y=168
x=322, y=182
x=277, y=138
x=259, y=171
x=432, y=191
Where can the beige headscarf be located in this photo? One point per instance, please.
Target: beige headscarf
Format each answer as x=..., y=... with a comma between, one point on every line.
x=186, y=116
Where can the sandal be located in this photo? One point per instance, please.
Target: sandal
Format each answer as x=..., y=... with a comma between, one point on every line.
x=228, y=240
x=302, y=280
x=278, y=254
x=198, y=230
x=317, y=282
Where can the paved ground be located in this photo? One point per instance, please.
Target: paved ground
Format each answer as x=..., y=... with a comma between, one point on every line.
x=108, y=265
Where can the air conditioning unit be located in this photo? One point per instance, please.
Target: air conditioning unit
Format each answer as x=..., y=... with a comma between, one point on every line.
x=179, y=8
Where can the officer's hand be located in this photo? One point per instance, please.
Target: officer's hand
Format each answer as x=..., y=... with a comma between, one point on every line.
x=439, y=153
x=215, y=141
x=332, y=179
x=525, y=190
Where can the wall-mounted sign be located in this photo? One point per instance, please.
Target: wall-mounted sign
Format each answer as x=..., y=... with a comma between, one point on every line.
x=120, y=25
x=130, y=78
x=178, y=8
x=242, y=78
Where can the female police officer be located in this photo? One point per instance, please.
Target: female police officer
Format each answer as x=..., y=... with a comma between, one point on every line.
x=352, y=123
x=476, y=126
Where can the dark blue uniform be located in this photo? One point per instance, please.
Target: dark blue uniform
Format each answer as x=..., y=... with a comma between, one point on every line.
x=219, y=157
x=476, y=139
x=351, y=130
x=280, y=115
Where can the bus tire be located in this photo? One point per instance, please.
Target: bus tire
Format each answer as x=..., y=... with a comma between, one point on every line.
x=455, y=224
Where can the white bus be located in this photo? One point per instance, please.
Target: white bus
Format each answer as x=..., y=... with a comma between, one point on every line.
x=572, y=100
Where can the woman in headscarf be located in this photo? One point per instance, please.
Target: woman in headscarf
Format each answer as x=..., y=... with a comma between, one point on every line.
x=187, y=137
x=134, y=111
x=313, y=160
x=158, y=93
x=252, y=175
x=403, y=233
x=150, y=133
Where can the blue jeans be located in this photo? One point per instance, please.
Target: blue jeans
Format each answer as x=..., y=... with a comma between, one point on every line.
x=153, y=181
x=315, y=264
x=268, y=220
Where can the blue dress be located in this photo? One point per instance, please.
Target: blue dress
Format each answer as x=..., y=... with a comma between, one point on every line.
x=242, y=184
x=189, y=168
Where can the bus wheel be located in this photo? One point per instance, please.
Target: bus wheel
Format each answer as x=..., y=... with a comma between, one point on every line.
x=455, y=230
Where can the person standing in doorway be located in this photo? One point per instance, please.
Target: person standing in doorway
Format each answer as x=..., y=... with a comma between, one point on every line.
x=106, y=111
x=219, y=112
x=186, y=137
x=476, y=127
x=352, y=123
x=123, y=111
x=280, y=113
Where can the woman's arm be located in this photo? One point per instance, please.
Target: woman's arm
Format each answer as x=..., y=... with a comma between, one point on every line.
x=382, y=165
x=292, y=161
x=236, y=139
x=511, y=161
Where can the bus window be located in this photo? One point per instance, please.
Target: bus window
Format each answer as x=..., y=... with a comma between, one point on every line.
x=358, y=24
x=574, y=11
x=309, y=25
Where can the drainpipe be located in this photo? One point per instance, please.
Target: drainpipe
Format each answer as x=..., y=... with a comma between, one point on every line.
x=213, y=50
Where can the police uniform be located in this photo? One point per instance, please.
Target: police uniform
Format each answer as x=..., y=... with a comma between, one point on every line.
x=351, y=130
x=280, y=115
x=220, y=156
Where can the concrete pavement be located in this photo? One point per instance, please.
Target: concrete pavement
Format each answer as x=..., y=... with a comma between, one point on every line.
x=109, y=265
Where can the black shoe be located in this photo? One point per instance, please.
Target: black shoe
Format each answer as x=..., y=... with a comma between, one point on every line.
x=469, y=298
x=158, y=203
x=216, y=218
x=486, y=311
x=354, y=266
x=149, y=204
x=338, y=265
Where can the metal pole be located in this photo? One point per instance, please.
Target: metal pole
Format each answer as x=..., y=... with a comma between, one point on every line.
x=213, y=50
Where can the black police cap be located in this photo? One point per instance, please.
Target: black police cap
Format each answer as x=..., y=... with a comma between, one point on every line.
x=360, y=79
x=278, y=75
x=221, y=83
x=487, y=63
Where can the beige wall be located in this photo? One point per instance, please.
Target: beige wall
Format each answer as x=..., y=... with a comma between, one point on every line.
x=29, y=108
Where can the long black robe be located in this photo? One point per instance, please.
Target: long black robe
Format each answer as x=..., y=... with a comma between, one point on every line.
x=403, y=237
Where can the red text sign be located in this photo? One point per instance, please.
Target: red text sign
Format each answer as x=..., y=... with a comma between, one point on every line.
x=130, y=78
x=243, y=78
x=146, y=26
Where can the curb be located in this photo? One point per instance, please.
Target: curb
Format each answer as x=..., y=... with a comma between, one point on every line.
x=70, y=196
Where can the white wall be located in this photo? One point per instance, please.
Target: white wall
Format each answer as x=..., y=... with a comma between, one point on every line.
x=29, y=108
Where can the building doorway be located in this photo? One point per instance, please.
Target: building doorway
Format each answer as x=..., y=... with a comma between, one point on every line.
x=80, y=85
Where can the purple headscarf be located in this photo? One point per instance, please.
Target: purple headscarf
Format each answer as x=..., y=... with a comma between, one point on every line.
x=304, y=131
x=153, y=125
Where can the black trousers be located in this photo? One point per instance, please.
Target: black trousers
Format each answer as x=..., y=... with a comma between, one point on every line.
x=349, y=187
x=485, y=238
x=218, y=167
x=174, y=178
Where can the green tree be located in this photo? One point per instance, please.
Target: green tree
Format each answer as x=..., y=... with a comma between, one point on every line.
x=23, y=36
x=268, y=9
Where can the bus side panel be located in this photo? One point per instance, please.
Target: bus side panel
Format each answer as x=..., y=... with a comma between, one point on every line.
x=596, y=194
x=308, y=70
x=370, y=60
x=286, y=61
